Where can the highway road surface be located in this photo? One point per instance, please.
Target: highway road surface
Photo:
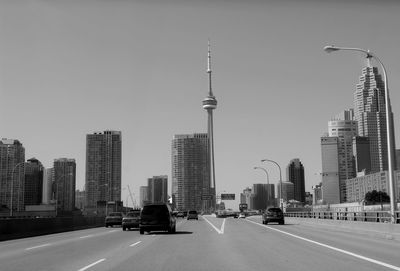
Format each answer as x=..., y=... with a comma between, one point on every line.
x=207, y=244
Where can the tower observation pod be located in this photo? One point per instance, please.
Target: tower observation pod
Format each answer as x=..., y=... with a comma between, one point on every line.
x=209, y=104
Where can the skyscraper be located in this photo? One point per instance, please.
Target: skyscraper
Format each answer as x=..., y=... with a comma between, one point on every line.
x=209, y=104
x=157, y=189
x=65, y=182
x=103, y=168
x=361, y=155
x=80, y=199
x=33, y=182
x=12, y=157
x=370, y=114
x=295, y=175
x=260, y=193
x=190, y=173
x=48, y=180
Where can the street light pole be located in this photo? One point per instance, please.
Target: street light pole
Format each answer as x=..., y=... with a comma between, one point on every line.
x=266, y=172
x=280, y=181
x=12, y=188
x=389, y=131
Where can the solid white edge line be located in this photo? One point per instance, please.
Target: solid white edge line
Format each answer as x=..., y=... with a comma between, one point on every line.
x=331, y=247
x=215, y=228
x=92, y=264
x=135, y=244
x=44, y=245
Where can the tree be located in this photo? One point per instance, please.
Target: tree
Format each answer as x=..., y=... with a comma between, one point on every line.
x=373, y=197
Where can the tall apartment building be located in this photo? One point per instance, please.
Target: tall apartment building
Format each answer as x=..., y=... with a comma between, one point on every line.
x=287, y=190
x=317, y=194
x=191, y=189
x=33, y=188
x=370, y=114
x=144, y=196
x=65, y=182
x=344, y=127
x=157, y=189
x=12, y=157
x=330, y=170
x=103, y=168
x=295, y=175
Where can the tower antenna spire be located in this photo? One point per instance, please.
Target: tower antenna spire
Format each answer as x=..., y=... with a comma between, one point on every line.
x=209, y=69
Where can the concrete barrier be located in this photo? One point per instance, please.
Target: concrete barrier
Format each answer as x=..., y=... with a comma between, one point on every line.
x=381, y=230
x=28, y=227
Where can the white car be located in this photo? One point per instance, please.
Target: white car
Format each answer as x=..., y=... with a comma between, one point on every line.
x=242, y=215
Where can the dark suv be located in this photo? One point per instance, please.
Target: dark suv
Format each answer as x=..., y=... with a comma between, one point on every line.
x=157, y=217
x=273, y=214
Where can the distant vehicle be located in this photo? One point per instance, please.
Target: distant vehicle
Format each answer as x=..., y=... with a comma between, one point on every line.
x=273, y=214
x=157, y=217
x=131, y=220
x=193, y=215
x=114, y=218
x=180, y=214
x=242, y=215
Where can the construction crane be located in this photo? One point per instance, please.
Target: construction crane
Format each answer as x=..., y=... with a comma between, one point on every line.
x=130, y=194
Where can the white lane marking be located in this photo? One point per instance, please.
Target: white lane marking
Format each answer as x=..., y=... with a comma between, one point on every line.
x=330, y=247
x=86, y=236
x=92, y=264
x=215, y=228
x=113, y=231
x=223, y=227
x=44, y=245
x=135, y=244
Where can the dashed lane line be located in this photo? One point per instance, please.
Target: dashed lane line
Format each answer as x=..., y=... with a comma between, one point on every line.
x=44, y=245
x=86, y=236
x=92, y=264
x=134, y=244
x=331, y=247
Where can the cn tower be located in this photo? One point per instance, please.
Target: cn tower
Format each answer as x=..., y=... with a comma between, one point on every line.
x=209, y=104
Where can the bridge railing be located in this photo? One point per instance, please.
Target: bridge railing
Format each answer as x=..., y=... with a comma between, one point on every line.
x=364, y=216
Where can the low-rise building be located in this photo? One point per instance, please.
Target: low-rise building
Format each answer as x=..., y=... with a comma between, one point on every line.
x=356, y=188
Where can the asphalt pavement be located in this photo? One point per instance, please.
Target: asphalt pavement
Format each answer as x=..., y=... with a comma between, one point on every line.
x=207, y=244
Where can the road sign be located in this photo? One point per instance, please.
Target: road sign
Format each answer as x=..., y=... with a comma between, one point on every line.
x=206, y=197
x=227, y=196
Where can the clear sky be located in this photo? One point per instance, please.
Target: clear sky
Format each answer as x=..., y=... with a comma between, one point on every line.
x=70, y=68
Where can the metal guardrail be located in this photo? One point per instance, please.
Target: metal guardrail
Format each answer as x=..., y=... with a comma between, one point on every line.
x=376, y=216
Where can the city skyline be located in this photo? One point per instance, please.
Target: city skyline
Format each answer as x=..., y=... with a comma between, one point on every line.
x=79, y=68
